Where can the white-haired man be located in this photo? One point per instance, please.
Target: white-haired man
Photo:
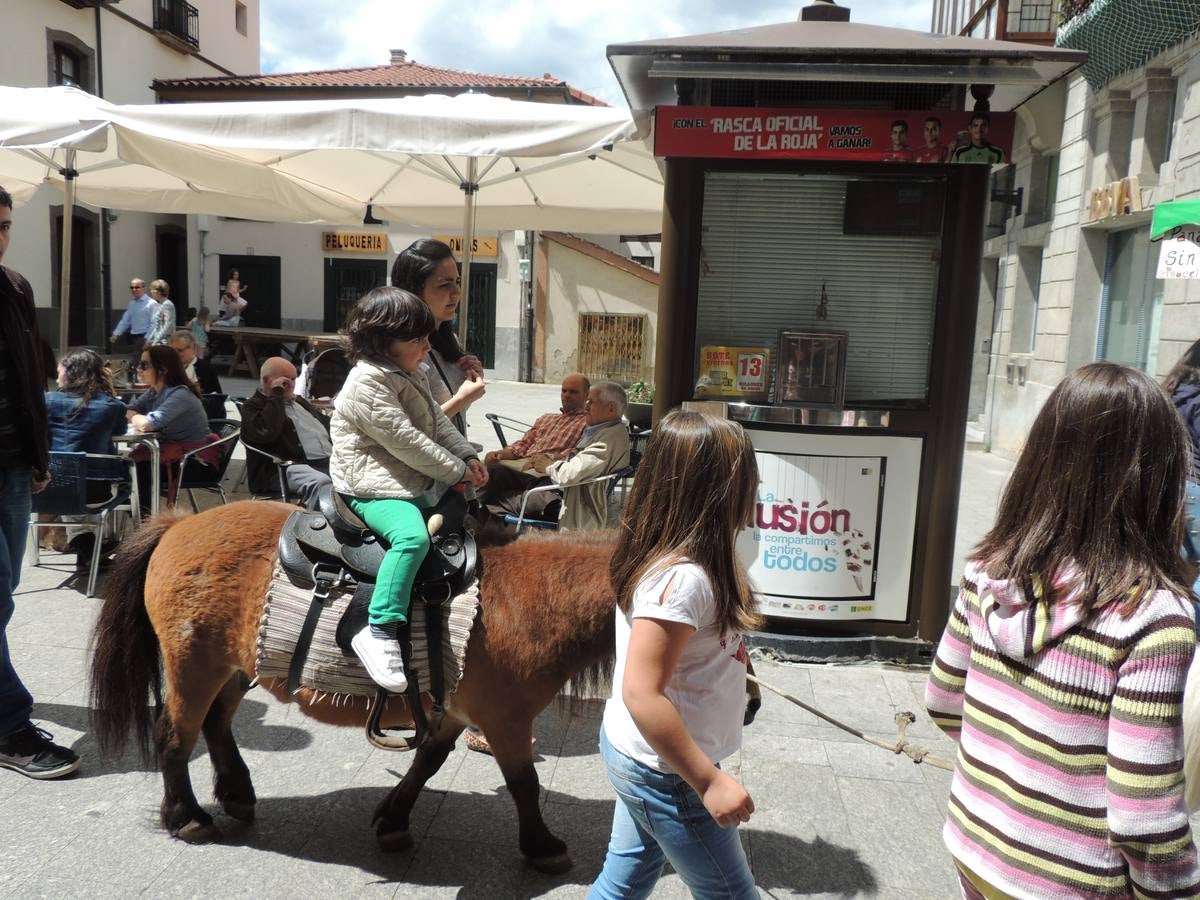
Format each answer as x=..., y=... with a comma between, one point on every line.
x=603, y=448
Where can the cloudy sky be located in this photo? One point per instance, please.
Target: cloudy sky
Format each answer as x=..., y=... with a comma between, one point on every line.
x=519, y=37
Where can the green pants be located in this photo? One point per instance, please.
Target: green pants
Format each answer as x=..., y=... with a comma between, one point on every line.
x=401, y=524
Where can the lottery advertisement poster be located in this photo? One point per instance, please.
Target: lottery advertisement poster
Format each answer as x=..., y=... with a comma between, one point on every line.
x=743, y=373
x=820, y=546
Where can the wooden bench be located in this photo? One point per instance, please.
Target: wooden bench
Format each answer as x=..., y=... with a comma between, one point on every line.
x=292, y=343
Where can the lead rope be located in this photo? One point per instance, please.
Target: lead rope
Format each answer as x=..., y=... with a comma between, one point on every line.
x=915, y=752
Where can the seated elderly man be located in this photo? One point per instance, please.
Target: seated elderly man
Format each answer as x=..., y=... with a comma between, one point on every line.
x=510, y=471
x=199, y=370
x=287, y=426
x=602, y=448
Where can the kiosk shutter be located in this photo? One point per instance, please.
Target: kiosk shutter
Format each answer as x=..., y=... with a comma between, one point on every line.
x=769, y=243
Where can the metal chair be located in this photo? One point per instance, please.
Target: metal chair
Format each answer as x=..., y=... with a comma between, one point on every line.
x=495, y=418
x=67, y=495
x=281, y=467
x=325, y=373
x=195, y=474
x=520, y=521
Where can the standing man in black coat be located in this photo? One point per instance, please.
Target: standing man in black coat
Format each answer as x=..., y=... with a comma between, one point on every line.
x=24, y=471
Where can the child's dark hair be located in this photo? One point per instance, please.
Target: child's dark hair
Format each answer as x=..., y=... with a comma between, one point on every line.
x=1097, y=494
x=694, y=493
x=383, y=315
x=410, y=271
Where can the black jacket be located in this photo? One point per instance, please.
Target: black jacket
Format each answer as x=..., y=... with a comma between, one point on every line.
x=19, y=323
x=265, y=425
x=206, y=377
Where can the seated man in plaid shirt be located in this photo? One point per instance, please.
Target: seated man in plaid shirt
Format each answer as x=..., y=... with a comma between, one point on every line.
x=511, y=470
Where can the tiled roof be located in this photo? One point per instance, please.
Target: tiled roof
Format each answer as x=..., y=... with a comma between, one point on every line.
x=398, y=75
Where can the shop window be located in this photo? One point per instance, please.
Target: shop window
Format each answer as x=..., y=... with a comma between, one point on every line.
x=825, y=253
x=611, y=346
x=1130, y=302
x=239, y=18
x=1043, y=189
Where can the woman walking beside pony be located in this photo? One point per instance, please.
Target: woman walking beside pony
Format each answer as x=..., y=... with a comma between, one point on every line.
x=1062, y=669
x=680, y=678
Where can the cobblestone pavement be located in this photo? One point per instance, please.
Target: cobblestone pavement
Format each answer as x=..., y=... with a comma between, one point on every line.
x=836, y=817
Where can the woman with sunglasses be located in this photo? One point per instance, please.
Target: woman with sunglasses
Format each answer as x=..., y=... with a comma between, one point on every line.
x=171, y=407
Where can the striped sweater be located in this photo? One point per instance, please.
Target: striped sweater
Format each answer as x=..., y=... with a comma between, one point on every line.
x=1069, y=775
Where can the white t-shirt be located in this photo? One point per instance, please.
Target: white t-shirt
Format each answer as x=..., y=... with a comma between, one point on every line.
x=708, y=687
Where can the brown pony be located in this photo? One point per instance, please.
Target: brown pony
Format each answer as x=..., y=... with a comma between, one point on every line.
x=188, y=592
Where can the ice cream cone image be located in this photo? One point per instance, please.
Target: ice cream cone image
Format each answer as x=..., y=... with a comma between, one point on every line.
x=859, y=555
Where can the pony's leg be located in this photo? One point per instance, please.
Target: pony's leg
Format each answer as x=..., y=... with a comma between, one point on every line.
x=512, y=747
x=176, y=733
x=231, y=778
x=391, y=816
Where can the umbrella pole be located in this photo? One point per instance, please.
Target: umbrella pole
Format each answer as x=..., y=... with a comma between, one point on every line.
x=69, y=175
x=470, y=188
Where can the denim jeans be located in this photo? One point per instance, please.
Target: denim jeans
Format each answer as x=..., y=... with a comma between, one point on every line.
x=15, y=702
x=659, y=818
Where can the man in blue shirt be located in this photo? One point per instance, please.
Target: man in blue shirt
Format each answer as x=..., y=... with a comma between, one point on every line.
x=136, y=320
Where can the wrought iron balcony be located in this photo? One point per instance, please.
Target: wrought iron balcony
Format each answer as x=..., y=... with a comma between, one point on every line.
x=177, y=23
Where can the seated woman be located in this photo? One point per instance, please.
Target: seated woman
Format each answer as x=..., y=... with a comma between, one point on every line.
x=84, y=414
x=171, y=407
x=394, y=455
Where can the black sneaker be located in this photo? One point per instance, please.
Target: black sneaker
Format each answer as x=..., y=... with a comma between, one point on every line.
x=30, y=751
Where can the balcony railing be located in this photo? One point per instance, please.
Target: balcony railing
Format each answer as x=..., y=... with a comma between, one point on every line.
x=177, y=23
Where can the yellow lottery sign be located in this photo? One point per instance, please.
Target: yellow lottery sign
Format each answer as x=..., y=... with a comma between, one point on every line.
x=742, y=372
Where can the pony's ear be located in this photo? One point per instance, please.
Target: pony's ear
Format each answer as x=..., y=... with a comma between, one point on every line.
x=489, y=532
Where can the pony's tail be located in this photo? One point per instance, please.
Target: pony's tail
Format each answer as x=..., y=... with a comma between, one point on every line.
x=125, y=651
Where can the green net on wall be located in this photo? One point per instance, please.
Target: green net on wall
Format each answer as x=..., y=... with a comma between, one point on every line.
x=1120, y=35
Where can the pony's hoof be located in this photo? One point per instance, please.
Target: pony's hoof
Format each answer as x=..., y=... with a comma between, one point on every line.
x=552, y=865
x=239, y=809
x=199, y=833
x=394, y=841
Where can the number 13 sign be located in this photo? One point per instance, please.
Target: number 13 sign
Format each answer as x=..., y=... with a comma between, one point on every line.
x=740, y=372
x=751, y=373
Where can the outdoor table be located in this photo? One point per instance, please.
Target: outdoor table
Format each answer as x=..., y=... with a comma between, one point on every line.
x=292, y=342
x=126, y=443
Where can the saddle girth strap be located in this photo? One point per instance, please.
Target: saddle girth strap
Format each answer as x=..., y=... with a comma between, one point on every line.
x=325, y=579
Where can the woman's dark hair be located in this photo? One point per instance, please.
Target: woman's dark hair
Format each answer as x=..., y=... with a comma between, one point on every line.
x=166, y=361
x=694, y=493
x=410, y=271
x=85, y=376
x=1097, y=495
x=1186, y=371
x=383, y=315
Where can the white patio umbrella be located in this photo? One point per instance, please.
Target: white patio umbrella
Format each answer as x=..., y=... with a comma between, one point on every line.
x=432, y=160
x=65, y=138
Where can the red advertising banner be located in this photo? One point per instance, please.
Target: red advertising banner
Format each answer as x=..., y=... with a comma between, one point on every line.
x=739, y=132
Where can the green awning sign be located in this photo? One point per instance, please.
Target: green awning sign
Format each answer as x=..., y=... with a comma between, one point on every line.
x=1175, y=214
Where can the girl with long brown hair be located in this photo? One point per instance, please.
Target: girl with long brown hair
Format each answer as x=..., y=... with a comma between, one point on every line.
x=1062, y=669
x=680, y=678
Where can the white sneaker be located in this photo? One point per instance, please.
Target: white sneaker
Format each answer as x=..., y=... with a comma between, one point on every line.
x=382, y=660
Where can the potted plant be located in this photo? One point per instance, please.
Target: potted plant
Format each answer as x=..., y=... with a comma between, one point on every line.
x=641, y=404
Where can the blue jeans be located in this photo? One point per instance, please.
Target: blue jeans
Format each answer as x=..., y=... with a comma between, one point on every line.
x=659, y=818
x=15, y=702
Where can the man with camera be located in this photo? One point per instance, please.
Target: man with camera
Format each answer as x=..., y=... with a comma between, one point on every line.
x=278, y=422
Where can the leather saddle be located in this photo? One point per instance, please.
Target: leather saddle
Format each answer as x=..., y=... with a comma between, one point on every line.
x=332, y=547
x=334, y=537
